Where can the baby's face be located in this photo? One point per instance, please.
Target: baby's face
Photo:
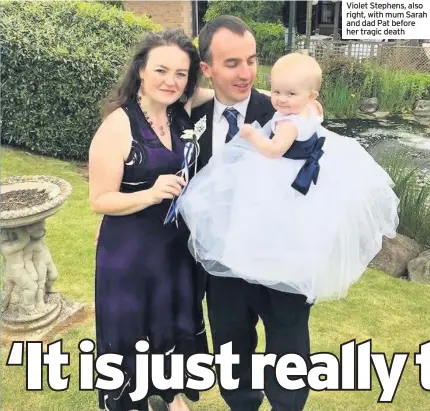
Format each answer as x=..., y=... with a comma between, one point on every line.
x=290, y=94
x=36, y=230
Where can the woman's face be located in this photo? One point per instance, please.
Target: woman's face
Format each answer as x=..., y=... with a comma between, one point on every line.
x=165, y=75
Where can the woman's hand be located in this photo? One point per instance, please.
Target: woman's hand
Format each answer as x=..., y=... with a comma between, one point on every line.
x=167, y=186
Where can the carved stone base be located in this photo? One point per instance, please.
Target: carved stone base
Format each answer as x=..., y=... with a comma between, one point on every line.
x=14, y=320
x=16, y=327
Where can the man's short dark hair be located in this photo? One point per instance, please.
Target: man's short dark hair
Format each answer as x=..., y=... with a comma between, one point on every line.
x=232, y=23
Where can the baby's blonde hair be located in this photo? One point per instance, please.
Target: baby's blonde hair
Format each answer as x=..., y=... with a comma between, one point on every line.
x=303, y=66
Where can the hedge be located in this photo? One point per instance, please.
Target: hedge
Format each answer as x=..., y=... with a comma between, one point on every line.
x=262, y=11
x=60, y=59
x=270, y=39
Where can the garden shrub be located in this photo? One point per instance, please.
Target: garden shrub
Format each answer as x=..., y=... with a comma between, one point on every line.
x=60, y=59
x=347, y=81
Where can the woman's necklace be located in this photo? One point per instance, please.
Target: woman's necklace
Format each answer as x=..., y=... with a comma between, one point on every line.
x=150, y=122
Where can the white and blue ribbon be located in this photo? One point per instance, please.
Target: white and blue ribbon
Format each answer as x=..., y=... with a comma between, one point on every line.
x=191, y=152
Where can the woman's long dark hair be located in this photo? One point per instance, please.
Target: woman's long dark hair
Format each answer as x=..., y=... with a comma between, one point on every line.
x=125, y=91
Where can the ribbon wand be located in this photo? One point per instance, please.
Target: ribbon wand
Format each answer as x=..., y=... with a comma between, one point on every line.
x=172, y=214
x=191, y=153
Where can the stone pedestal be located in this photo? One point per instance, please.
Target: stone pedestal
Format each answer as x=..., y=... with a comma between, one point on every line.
x=29, y=304
x=44, y=328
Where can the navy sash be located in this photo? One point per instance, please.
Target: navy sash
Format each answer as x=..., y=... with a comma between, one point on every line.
x=311, y=151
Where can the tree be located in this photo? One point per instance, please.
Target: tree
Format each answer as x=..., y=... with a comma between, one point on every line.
x=115, y=3
x=260, y=11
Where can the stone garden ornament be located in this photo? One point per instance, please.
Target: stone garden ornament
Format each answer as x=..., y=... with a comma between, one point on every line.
x=29, y=272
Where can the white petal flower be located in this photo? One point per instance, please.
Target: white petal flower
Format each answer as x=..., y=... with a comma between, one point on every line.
x=199, y=129
x=187, y=134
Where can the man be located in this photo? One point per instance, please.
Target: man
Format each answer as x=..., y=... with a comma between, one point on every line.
x=229, y=60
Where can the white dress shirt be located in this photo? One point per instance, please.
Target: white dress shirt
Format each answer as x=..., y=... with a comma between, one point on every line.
x=220, y=123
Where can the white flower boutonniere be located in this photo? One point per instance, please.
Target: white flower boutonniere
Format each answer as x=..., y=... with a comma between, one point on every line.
x=196, y=133
x=188, y=134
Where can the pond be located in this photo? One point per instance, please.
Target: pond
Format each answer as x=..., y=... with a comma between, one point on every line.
x=409, y=136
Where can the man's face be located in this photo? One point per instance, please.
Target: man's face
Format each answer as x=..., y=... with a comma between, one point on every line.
x=233, y=65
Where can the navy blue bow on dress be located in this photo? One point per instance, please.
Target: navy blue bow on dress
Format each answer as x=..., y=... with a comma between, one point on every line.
x=311, y=151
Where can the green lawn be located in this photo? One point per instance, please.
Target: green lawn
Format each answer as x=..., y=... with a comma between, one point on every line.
x=395, y=314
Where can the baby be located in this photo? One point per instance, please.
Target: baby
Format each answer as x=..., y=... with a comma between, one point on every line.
x=291, y=205
x=296, y=81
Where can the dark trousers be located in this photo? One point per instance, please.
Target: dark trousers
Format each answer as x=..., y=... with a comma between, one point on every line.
x=234, y=306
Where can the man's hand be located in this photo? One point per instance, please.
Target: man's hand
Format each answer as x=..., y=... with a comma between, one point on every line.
x=319, y=108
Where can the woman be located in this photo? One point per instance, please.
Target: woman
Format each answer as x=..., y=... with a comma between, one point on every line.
x=145, y=286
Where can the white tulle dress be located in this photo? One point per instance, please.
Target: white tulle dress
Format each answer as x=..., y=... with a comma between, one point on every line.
x=308, y=224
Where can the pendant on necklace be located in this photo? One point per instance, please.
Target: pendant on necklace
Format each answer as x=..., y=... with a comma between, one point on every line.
x=150, y=122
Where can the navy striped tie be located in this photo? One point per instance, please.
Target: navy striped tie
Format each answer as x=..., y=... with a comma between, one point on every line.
x=231, y=115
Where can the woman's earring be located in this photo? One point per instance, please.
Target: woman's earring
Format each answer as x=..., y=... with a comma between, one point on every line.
x=183, y=98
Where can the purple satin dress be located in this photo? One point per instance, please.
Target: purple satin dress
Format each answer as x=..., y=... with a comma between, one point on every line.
x=146, y=278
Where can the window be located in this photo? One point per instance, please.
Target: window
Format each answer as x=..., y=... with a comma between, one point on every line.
x=326, y=12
